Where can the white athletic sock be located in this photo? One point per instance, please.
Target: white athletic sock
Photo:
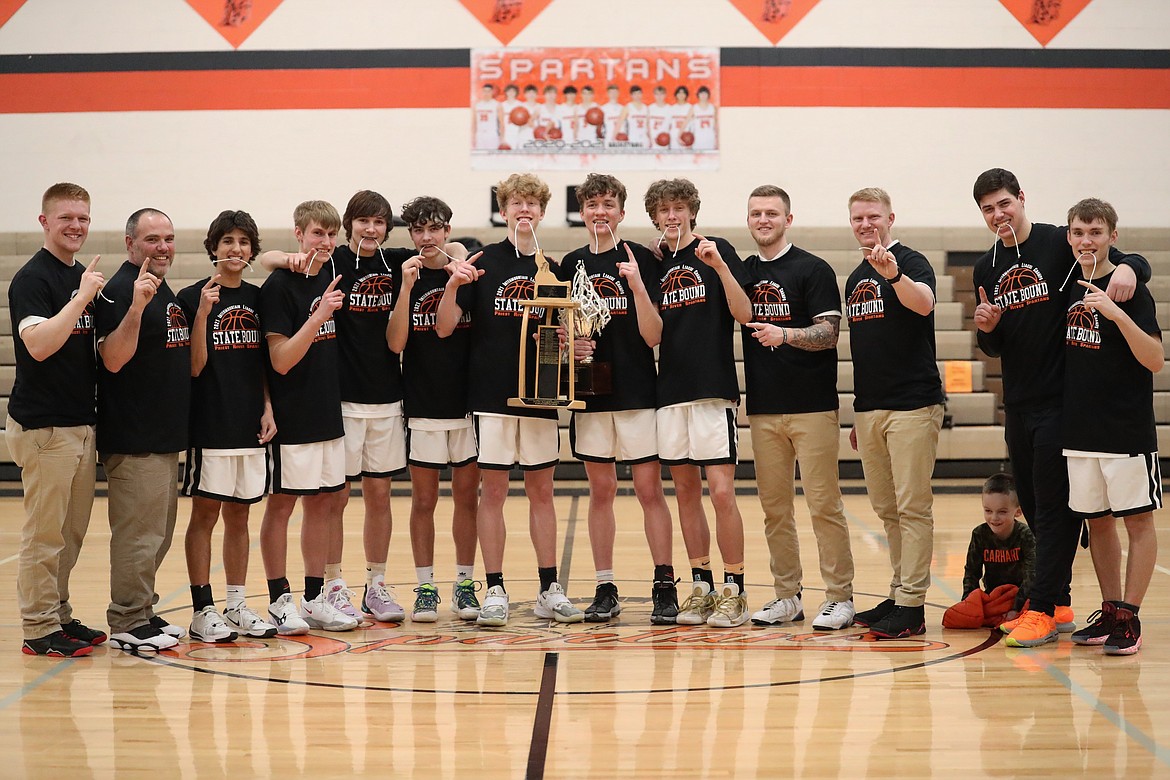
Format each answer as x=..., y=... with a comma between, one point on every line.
x=375, y=573
x=235, y=596
x=604, y=575
x=332, y=571
x=464, y=572
x=425, y=575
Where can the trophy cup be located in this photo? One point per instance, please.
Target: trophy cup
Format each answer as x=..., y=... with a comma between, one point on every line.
x=590, y=377
x=552, y=386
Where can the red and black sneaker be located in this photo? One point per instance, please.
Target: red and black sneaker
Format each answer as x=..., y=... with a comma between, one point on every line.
x=1126, y=638
x=871, y=617
x=57, y=645
x=78, y=630
x=900, y=623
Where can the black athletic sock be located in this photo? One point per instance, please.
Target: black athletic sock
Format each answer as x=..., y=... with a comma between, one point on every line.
x=703, y=575
x=277, y=588
x=736, y=578
x=548, y=575
x=1131, y=607
x=313, y=587
x=664, y=573
x=495, y=579
x=201, y=597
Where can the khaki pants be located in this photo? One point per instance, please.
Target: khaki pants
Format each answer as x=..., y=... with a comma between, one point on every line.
x=779, y=441
x=897, y=454
x=57, y=471
x=143, y=502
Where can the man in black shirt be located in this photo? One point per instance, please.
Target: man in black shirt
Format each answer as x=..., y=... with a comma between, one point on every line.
x=898, y=401
x=50, y=425
x=144, y=389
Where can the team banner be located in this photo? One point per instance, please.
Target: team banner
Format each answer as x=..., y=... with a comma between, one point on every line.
x=578, y=109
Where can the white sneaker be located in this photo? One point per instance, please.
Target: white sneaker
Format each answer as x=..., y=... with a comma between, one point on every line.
x=834, y=615
x=380, y=603
x=320, y=613
x=780, y=611
x=145, y=638
x=208, y=626
x=494, y=611
x=286, y=617
x=730, y=607
x=554, y=604
x=248, y=623
x=178, y=632
x=698, y=606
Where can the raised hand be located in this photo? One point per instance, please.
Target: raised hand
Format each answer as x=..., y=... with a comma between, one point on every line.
x=882, y=261
x=628, y=270
x=464, y=271
x=92, y=281
x=331, y=300
x=209, y=296
x=1097, y=299
x=708, y=252
x=145, y=286
x=987, y=314
x=410, y=271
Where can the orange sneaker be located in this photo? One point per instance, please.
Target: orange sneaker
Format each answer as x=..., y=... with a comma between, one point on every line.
x=1065, y=620
x=1033, y=629
x=1009, y=625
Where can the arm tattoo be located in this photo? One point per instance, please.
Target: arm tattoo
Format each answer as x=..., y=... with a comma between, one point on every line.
x=819, y=336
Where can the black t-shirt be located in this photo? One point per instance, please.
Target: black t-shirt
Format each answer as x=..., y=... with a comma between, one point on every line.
x=144, y=407
x=370, y=372
x=59, y=390
x=894, y=365
x=496, y=317
x=1030, y=334
x=1108, y=394
x=306, y=402
x=620, y=343
x=696, y=359
x=788, y=292
x=227, y=398
x=434, y=370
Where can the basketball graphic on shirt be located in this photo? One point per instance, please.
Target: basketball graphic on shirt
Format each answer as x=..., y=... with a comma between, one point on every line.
x=1083, y=328
x=682, y=286
x=236, y=327
x=329, y=329
x=866, y=302
x=1019, y=286
x=372, y=293
x=178, y=334
x=611, y=291
x=770, y=303
x=518, y=289
x=511, y=292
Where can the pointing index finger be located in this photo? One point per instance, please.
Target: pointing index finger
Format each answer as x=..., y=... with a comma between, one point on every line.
x=1089, y=286
x=144, y=269
x=94, y=262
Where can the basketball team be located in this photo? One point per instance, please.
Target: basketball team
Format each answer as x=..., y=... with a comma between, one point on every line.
x=355, y=362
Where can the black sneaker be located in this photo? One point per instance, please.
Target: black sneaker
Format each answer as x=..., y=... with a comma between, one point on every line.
x=78, y=630
x=58, y=645
x=665, y=599
x=145, y=638
x=1126, y=638
x=872, y=616
x=178, y=632
x=902, y=622
x=1100, y=626
x=605, y=604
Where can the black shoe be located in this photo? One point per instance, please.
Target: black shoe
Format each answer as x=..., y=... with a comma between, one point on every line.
x=78, y=630
x=58, y=645
x=1100, y=626
x=1126, y=638
x=665, y=599
x=871, y=616
x=177, y=632
x=900, y=623
x=605, y=604
x=145, y=638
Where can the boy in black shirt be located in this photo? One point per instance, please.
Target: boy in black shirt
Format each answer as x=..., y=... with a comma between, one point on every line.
x=701, y=298
x=441, y=434
x=308, y=451
x=1112, y=349
x=1002, y=553
x=231, y=421
x=50, y=426
x=620, y=425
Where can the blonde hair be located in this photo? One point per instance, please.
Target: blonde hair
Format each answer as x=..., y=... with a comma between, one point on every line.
x=319, y=211
x=63, y=191
x=525, y=185
x=872, y=195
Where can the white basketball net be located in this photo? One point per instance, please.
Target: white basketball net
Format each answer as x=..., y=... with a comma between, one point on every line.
x=593, y=314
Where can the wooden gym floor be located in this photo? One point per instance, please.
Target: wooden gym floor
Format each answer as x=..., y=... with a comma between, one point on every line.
x=623, y=699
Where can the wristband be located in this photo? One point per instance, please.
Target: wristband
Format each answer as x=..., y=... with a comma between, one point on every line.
x=784, y=335
x=896, y=279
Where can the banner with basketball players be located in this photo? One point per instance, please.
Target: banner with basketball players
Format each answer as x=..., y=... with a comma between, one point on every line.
x=576, y=109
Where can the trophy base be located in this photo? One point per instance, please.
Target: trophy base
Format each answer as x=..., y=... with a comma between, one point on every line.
x=546, y=403
x=591, y=379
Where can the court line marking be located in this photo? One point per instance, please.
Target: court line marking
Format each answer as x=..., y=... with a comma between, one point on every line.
x=1111, y=715
x=542, y=723
x=9, y=559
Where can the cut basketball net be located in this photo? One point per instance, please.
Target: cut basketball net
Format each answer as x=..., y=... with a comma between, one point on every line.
x=1015, y=242
x=1077, y=262
x=592, y=313
x=357, y=260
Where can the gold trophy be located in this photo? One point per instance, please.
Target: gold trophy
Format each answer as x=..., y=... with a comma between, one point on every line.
x=552, y=386
x=590, y=377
